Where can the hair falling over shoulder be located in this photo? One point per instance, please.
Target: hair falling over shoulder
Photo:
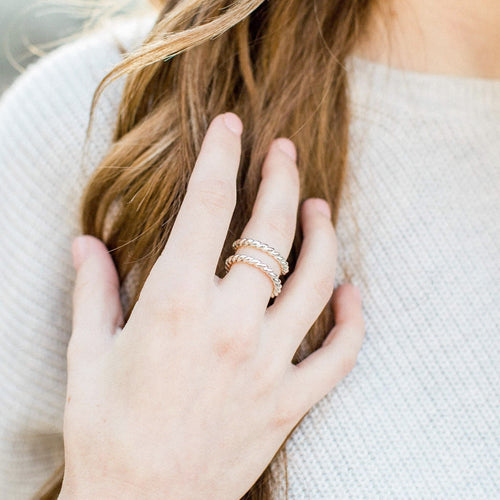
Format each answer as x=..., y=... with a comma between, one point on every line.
x=278, y=64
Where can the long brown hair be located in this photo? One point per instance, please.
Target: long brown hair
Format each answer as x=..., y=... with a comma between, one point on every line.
x=280, y=66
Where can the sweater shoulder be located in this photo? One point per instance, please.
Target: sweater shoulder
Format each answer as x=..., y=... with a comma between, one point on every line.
x=74, y=69
x=45, y=112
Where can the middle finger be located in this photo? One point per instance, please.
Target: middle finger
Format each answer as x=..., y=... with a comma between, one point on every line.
x=272, y=222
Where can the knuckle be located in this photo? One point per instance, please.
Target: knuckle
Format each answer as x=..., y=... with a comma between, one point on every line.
x=280, y=222
x=236, y=346
x=216, y=195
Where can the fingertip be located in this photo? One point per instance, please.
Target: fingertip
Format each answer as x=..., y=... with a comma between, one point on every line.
x=287, y=146
x=233, y=122
x=96, y=294
x=322, y=206
x=84, y=245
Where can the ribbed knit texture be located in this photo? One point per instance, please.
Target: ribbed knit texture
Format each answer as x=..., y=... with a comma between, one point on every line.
x=419, y=416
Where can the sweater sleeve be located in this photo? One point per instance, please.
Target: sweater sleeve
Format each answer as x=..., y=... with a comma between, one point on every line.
x=43, y=120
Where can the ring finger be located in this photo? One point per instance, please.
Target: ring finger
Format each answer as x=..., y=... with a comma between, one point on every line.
x=272, y=222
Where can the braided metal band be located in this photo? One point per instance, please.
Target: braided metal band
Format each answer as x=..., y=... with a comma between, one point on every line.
x=259, y=265
x=250, y=242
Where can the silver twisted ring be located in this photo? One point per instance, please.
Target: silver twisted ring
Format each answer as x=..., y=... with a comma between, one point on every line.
x=238, y=257
x=250, y=242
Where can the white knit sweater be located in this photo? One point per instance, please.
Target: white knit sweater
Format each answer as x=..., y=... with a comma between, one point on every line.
x=419, y=416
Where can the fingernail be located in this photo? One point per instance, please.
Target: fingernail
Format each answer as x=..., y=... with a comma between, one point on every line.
x=79, y=250
x=357, y=292
x=323, y=207
x=233, y=123
x=288, y=147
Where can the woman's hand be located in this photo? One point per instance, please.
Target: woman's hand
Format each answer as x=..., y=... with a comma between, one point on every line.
x=197, y=392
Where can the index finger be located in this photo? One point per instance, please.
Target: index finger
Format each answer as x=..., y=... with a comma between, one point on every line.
x=200, y=229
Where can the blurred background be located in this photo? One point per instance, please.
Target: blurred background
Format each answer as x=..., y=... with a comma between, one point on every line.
x=23, y=23
x=30, y=28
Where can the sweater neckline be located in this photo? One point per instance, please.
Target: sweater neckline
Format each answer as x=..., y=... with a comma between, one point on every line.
x=435, y=93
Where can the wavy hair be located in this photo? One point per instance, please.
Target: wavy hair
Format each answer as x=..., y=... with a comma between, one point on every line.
x=278, y=64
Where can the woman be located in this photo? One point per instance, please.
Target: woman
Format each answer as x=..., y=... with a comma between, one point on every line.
x=406, y=156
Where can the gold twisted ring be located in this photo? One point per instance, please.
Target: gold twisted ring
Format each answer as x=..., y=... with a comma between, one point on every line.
x=250, y=242
x=259, y=265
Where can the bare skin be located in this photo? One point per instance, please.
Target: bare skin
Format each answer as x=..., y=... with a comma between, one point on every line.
x=453, y=37
x=195, y=394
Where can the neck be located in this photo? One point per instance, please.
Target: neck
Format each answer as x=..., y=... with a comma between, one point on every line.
x=455, y=37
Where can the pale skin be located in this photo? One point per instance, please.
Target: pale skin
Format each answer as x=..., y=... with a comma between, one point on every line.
x=449, y=37
x=195, y=394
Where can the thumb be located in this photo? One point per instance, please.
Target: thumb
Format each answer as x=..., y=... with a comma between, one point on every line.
x=97, y=310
